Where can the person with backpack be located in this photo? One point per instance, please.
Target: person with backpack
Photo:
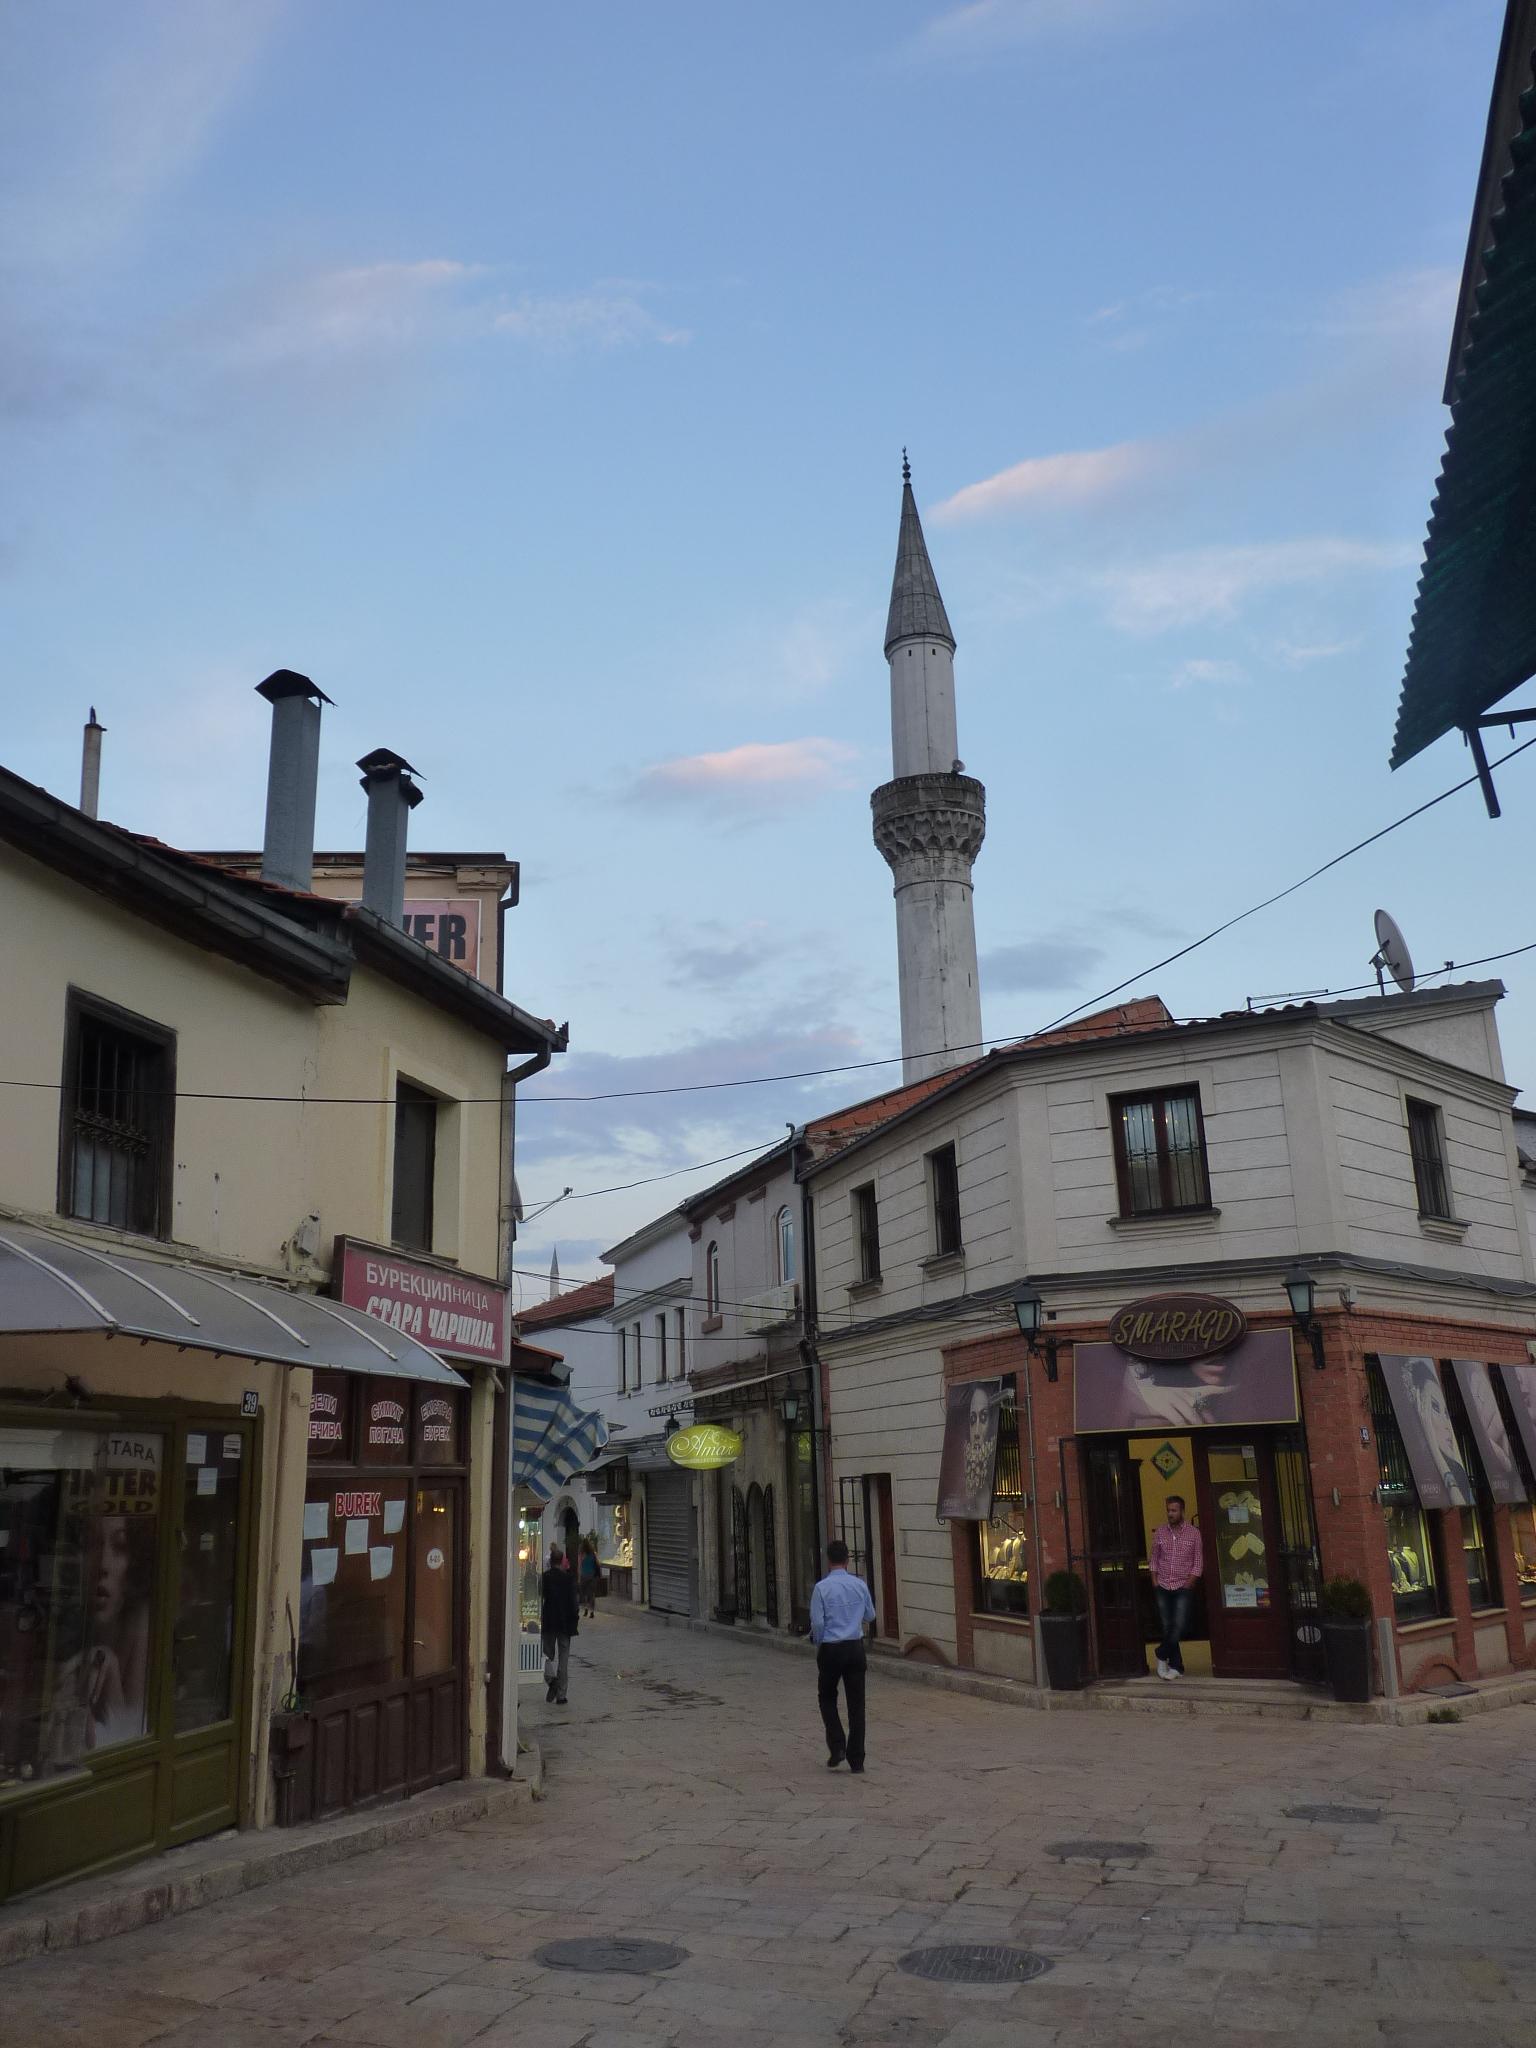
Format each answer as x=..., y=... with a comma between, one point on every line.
x=558, y=1622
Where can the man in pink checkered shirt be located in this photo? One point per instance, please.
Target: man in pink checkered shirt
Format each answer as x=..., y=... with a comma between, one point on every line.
x=1177, y=1560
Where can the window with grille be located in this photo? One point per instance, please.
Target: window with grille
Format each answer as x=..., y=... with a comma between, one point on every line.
x=1428, y=1148
x=1160, y=1152
x=415, y=1167
x=118, y=1117
x=866, y=1219
x=1416, y=1582
x=682, y=1339
x=623, y=1361
x=944, y=1186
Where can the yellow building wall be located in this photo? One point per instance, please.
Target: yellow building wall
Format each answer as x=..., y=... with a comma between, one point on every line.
x=248, y=1172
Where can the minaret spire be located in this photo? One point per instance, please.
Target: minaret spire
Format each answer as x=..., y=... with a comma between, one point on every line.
x=930, y=819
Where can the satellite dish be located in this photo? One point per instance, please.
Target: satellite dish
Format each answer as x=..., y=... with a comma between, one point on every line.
x=1392, y=954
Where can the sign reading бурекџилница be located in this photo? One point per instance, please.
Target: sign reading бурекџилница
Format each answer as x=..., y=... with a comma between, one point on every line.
x=457, y=1313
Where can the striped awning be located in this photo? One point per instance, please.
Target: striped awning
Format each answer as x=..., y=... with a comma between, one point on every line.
x=552, y=1439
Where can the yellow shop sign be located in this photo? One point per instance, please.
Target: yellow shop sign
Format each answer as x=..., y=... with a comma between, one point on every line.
x=704, y=1448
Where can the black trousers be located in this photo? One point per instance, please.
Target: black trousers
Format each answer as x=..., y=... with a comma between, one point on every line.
x=845, y=1664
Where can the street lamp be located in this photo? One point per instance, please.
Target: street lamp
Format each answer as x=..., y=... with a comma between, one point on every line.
x=1301, y=1292
x=789, y=1408
x=1029, y=1309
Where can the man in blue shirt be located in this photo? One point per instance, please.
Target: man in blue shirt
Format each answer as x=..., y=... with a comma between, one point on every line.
x=840, y=1607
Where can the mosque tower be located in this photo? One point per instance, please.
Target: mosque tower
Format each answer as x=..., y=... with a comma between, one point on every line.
x=929, y=819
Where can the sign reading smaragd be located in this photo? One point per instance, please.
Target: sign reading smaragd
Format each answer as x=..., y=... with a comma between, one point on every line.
x=456, y=1313
x=706, y=1447
x=1169, y=1328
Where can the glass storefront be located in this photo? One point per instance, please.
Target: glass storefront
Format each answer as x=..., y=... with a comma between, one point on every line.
x=1002, y=1544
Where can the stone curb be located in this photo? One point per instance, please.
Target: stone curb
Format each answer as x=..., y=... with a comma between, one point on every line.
x=1411, y=1710
x=164, y=1887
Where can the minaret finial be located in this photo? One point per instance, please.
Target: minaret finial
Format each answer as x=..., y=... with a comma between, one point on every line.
x=906, y=468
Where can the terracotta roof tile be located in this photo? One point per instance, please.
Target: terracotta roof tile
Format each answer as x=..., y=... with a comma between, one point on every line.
x=573, y=1306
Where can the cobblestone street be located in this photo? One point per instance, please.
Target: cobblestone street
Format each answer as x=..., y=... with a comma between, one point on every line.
x=687, y=1802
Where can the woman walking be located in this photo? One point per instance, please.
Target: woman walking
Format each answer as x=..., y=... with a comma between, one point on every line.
x=588, y=1575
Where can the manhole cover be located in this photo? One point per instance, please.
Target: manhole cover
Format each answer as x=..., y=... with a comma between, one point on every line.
x=612, y=1953
x=1097, y=1852
x=974, y=1962
x=1346, y=1816
x=1450, y=1692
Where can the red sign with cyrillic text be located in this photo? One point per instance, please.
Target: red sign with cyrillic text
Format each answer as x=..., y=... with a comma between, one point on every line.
x=458, y=1314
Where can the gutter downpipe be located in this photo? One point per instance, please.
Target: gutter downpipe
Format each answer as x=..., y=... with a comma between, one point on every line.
x=1034, y=1518
x=821, y=1428
x=506, y=1748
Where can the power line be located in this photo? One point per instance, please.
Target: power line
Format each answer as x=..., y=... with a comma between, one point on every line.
x=663, y=1298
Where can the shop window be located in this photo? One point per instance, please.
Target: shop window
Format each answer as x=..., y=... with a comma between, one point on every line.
x=621, y=1545
x=1522, y=1516
x=1481, y=1559
x=784, y=1239
x=1416, y=1584
x=866, y=1217
x=330, y=1416
x=415, y=1166
x=1426, y=1142
x=439, y=1425
x=202, y=1643
x=1159, y=1143
x=1001, y=1554
x=352, y=1593
x=386, y=1423
x=944, y=1192
x=118, y=1114
x=80, y=1522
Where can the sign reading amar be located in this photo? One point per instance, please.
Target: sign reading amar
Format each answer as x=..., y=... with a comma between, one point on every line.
x=1169, y=1328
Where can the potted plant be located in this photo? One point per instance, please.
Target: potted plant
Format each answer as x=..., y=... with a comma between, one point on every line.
x=1346, y=1622
x=1064, y=1632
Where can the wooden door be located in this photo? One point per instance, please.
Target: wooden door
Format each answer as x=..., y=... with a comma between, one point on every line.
x=1245, y=1592
x=1114, y=1557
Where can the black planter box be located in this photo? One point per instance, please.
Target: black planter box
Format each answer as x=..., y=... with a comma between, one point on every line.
x=1064, y=1638
x=1347, y=1646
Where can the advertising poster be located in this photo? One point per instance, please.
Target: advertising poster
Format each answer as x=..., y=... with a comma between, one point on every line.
x=1494, y=1448
x=1520, y=1385
x=968, y=1469
x=1252, y=1384
x=1428, y=1433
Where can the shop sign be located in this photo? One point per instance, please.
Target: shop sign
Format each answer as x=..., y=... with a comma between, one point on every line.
x=706, y=1447
x=446, y=925
x=324, y=1418
x=456, y=1313
x=357, y=1506
x=386, y=1425
x=1245, y=1388
x=436, y=1421
x=1170, y=1328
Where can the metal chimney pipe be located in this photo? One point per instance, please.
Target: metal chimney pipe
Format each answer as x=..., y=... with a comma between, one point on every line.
x=392, y=796
x=90, y=766
x=293, y=770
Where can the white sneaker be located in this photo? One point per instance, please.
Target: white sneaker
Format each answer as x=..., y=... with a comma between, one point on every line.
x=1164, y=1670
x=1172, y=1672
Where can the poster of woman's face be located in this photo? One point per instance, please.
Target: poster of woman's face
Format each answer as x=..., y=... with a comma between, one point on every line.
x=1483, y=1412
x=1429, y=1435
x=968, y=1467
x=1253, y=1383
x=1520, y=1385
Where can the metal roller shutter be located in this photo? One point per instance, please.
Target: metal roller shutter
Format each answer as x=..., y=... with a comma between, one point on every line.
x=669, y=1540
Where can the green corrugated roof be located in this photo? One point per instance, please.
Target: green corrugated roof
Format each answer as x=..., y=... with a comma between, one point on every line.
x=1474, y=623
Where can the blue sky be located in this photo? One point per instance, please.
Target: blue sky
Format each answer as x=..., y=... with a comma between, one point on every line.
x=536, y=380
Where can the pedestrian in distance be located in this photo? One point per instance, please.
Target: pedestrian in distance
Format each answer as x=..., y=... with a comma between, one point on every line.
x=1177, y=1561
x=587, y=1575
x=840, y=1609
x=558, y=1622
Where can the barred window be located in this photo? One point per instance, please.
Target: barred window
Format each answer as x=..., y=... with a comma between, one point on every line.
x=1160, y=1152
x=118, y=1115
x=1428, y=1147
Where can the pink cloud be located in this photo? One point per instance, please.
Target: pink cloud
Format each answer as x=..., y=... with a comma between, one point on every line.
x=1075, y=477
x=760, y=770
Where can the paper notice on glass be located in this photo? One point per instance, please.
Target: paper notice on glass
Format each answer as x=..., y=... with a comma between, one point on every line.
x=357, y=1538
x=1241, y=1596
x=381, y=1560
x=232, y=1444
x=208, y=1479
x=197, y=1450
x=322, y=1565
x=394, y=1517
x=317, y=1520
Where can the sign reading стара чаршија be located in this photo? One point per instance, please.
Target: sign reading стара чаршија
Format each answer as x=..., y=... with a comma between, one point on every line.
x=457, y=1313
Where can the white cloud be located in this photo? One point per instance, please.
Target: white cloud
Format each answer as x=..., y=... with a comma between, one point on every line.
x=979, y=27
x=1298, y=656
x=1201, y=584
x=365, y=309
x=758, y=771
x=1204, y=669
x=1074, y=478
x=1404, y=303
x=605, y=317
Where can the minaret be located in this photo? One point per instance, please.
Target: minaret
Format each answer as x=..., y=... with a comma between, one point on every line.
x=929, y=819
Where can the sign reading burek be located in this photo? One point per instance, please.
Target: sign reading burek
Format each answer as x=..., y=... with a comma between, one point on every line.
x=1169, y=1327
x=706, y=1447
